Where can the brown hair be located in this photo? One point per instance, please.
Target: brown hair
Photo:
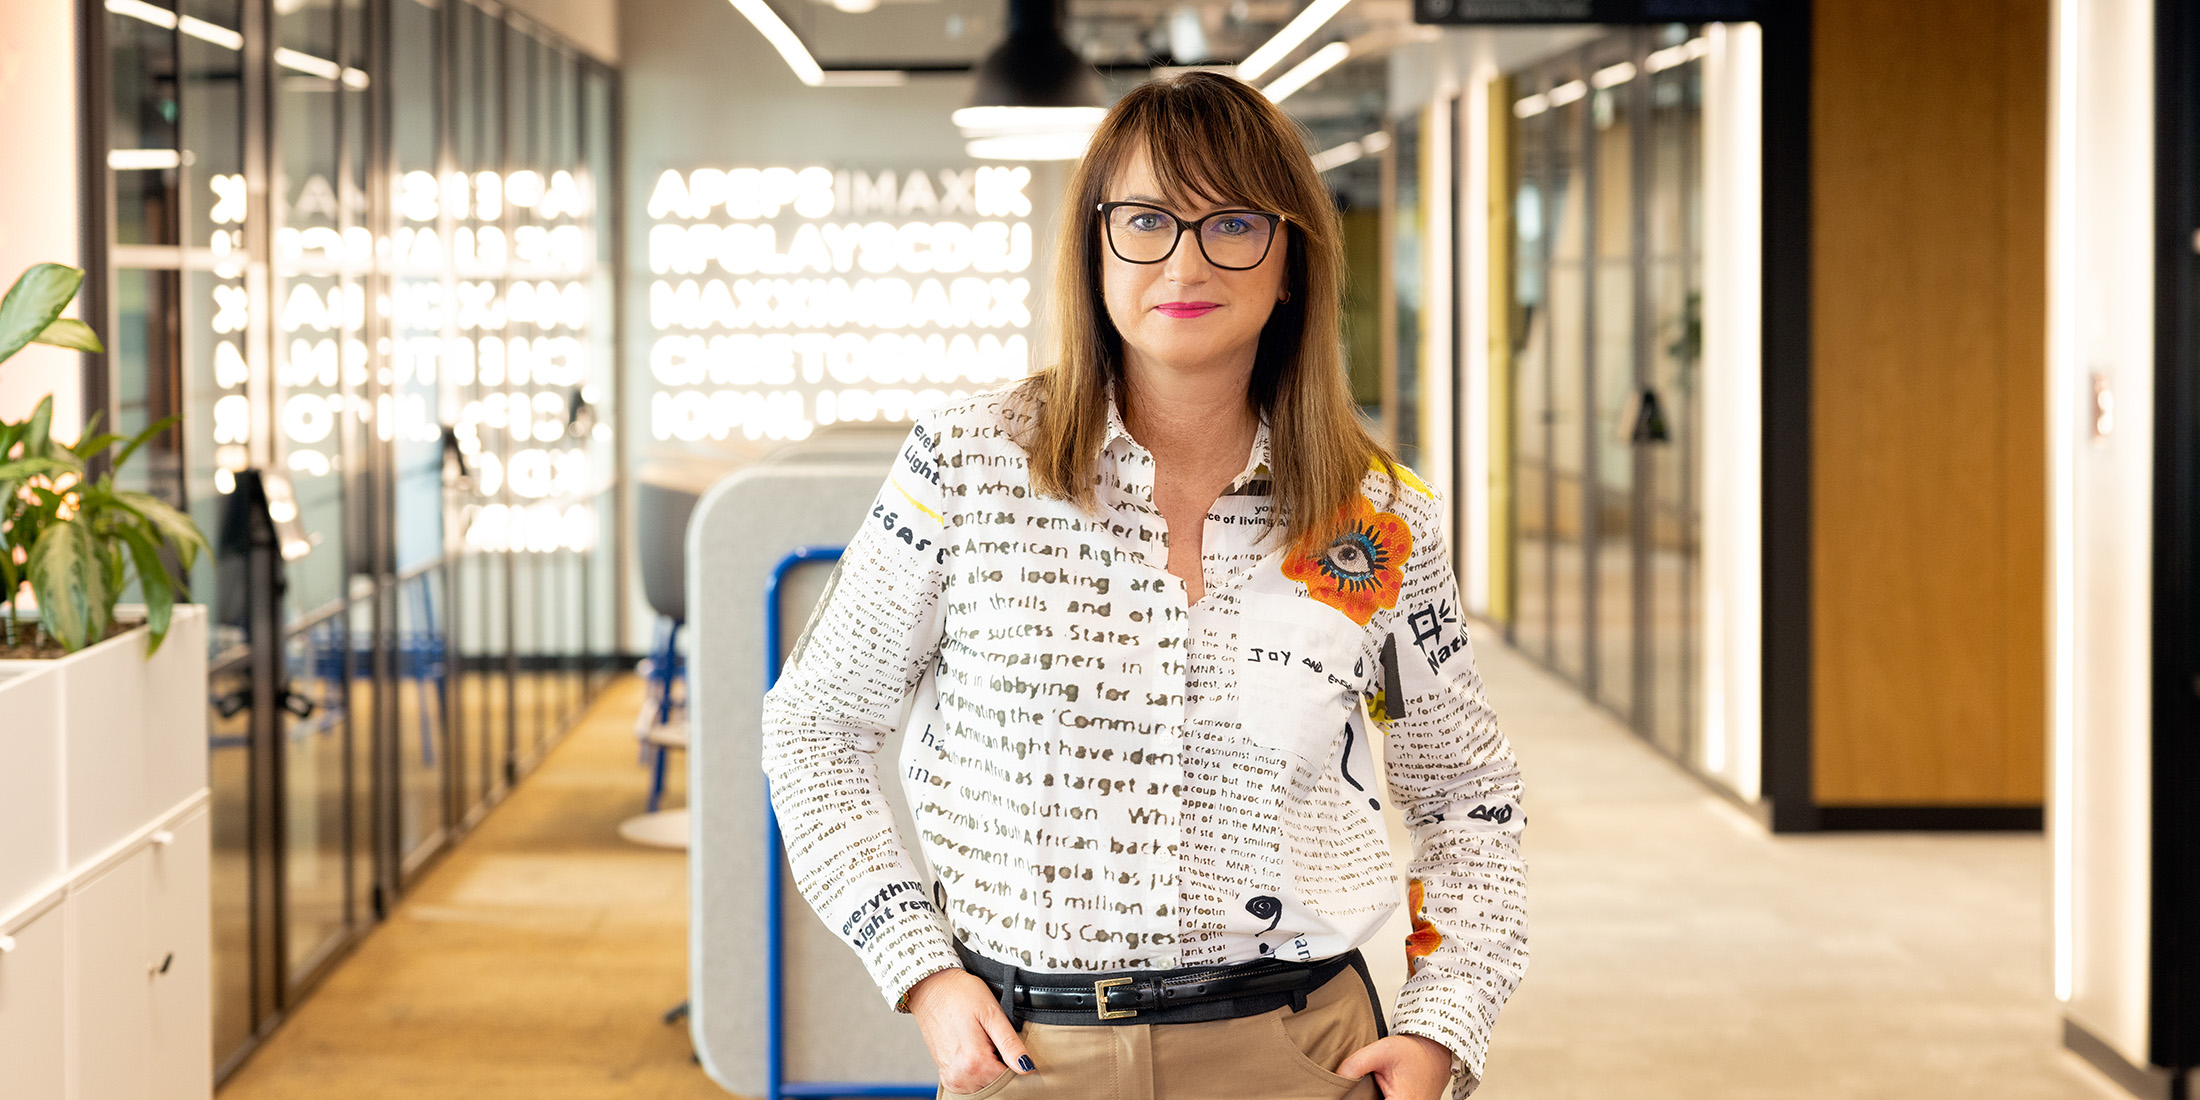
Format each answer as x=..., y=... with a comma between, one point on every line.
x=1217, y=138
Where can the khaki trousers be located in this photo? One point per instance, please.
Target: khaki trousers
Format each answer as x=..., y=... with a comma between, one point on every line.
x=1280, y=1055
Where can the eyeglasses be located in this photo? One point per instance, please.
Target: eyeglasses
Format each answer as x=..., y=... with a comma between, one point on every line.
x=1233, y=240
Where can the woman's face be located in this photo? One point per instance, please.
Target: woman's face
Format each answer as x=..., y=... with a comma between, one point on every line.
x=1184, y=312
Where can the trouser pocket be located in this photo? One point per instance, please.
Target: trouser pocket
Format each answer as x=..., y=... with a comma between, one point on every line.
x=991, y=1088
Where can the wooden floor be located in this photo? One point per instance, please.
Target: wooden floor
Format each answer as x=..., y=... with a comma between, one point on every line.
x=536, y=960
x=1680, y=952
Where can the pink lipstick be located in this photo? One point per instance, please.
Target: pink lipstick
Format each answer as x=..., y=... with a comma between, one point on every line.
x=1187, y=309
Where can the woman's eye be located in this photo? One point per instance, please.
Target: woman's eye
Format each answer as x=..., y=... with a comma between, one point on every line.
x=1146, y=223
x=1234, y=227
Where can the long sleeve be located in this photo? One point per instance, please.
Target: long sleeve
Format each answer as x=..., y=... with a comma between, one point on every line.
x=1454, y=776
x=841, y=693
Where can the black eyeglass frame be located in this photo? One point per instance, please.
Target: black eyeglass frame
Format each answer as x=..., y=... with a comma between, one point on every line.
x=1275, y=222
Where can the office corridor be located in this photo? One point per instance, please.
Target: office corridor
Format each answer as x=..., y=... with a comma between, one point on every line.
x=1679, y=950
x=535, y=960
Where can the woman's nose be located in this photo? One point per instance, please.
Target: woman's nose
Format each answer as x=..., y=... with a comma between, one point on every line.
x=1187, y=264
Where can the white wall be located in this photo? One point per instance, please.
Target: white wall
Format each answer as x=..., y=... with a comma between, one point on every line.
x=1730, y=467
x=2100, y=484
x=38, y=219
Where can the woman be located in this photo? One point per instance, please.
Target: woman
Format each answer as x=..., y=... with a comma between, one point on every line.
x=1152, y=603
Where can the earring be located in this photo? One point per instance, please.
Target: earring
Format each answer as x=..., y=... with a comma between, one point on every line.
x=1286, y=297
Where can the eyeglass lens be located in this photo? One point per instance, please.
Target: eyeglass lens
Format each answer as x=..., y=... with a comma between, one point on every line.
x=1145, y=234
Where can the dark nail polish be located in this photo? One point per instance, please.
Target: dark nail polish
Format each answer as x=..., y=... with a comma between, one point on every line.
x=1024, y=1063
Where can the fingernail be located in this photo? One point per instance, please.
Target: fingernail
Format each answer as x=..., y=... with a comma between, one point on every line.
x=1024, y=1063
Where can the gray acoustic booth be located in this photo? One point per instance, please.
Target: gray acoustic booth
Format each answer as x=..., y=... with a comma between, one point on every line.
x=834, y=1025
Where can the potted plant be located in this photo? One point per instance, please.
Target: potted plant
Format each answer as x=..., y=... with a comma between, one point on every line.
x=75, y=540
x=103, y=793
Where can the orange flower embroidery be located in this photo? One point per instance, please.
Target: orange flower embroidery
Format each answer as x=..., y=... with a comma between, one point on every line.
x=1360, y=570
x=1425, y=938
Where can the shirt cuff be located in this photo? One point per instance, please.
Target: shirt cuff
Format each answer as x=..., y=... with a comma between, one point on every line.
x=1436, y=1014
x=1463, y=1082
x=900, y=962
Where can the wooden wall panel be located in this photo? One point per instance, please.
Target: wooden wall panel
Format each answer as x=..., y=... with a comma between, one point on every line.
x=1928, y=482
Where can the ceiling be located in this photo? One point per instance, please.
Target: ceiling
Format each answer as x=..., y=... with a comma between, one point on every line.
x=1129, y=40
x=1110, y=33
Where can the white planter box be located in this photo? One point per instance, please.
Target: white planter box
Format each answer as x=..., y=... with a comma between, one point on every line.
x=105, y=953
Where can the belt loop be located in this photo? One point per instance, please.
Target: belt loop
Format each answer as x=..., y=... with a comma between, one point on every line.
x=1008, y=997
x=1298, y=999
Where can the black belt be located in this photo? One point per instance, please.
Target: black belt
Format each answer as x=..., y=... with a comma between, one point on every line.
x=1190, y=995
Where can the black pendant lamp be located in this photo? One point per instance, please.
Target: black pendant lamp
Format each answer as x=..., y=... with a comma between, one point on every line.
x=1033, y=66
x=1036, y=98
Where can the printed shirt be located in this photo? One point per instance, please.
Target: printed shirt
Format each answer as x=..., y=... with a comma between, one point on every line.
x=1103, y=778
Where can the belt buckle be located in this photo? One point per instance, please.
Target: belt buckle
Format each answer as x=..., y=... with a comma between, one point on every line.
x=1100, y=999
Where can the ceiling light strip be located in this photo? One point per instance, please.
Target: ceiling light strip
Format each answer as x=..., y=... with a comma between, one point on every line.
x=1338, y=156
x=210, y=32
x=308, y=64
x=782, y=37
x=1611, y=76
x=1307, y=71
x=1371, y=145
x=1299, y=29
x=1567, y=93
x=128, y=159
x=143, y=12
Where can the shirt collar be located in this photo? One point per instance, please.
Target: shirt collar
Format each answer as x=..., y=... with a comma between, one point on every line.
x=1256, y=463
x=1117, y=432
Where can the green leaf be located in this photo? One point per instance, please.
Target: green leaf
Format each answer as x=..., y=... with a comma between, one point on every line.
x=31, y=467
x=68, y=332
x=171, y=524
x=38, y=431
x=145, y=437
x=153, y=582
x=89, y=447
x=116, y=562
x=70, y=578
x=38, y=296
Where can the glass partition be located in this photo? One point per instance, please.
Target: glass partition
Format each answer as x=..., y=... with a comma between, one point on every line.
x=1605, y=275
x=411, y=429
x=1408, y=228
x=1673, y=263
x=354, y=245
x=1611, y=387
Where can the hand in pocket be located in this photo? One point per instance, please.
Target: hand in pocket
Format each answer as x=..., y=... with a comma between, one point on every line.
x=969, y=1039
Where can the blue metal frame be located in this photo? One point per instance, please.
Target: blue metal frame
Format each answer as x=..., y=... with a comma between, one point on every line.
x=776, y=1085
x=664, y=669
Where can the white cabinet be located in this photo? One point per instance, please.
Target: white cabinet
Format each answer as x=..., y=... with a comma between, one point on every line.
x=179, y=948
x=105, y=945
x=141, y=951
x=31, y=1008
x=108, y=1014
x=31, y=861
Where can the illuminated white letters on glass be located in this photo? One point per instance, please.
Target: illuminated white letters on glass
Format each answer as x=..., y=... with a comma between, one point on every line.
x=783, y=299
